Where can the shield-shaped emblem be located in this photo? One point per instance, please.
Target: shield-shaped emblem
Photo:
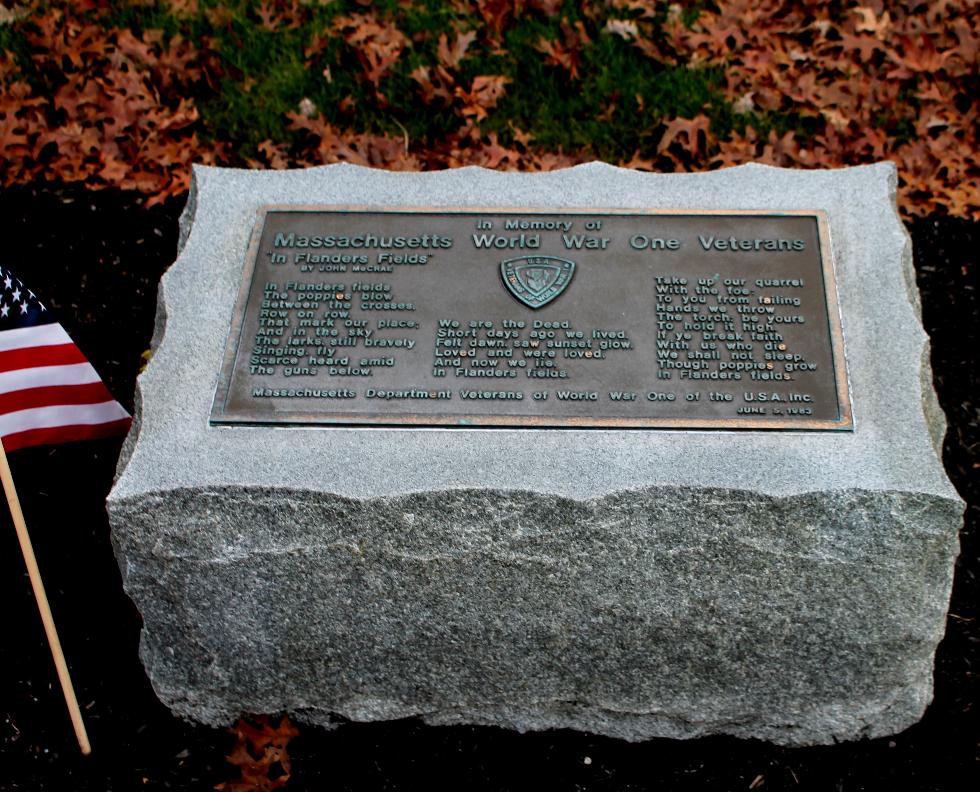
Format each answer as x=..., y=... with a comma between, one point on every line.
x=536, y=280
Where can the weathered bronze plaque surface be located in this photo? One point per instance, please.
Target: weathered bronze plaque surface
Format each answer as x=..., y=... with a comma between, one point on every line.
x=532, y=318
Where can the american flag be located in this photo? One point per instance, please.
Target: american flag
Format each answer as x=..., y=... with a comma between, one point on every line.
x=49, y=392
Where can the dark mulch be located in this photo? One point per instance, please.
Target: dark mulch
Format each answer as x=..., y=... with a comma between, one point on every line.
x=96, y=259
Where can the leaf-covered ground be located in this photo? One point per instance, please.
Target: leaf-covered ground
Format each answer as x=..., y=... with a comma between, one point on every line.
x=130, y=93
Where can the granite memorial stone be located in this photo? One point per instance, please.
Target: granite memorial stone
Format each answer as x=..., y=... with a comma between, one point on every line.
x=641, y=455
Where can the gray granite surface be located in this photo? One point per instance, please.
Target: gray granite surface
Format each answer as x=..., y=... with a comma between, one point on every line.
x=631, y=583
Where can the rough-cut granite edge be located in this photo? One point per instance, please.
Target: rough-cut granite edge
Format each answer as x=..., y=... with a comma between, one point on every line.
x=824, y=723
x=185, y=223
x=135, y=506
x=186, y=220
x=934, y=416
x=904, y=710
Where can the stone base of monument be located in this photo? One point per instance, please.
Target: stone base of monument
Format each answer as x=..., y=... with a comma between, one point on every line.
x=634, y=582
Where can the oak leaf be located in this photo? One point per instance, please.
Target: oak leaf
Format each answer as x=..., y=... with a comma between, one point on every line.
x=436, y=83
x=690, y=133
x=485, y=91
x=870, y=23
x=624, y=28
x=450, y=56
x=261, y=755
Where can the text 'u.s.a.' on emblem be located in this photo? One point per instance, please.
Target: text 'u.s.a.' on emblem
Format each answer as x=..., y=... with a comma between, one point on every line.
x=536, y=280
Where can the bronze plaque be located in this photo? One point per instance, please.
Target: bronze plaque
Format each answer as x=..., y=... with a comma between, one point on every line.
x=531, y=318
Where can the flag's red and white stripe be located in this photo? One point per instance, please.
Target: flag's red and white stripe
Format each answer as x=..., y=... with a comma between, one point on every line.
x=49, y=392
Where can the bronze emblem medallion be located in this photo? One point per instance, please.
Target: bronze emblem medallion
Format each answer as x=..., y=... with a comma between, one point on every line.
x=537, y=280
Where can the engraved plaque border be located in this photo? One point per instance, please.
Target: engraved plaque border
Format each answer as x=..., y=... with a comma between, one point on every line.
x=314, y=419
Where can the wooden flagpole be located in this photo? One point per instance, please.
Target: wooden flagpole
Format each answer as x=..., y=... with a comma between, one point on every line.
x=42, y=603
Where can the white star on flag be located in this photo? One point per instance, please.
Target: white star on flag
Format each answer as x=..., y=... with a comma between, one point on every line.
x=49, y=392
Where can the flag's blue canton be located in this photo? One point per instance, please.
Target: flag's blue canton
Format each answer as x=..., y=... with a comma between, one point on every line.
x=19, y=306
